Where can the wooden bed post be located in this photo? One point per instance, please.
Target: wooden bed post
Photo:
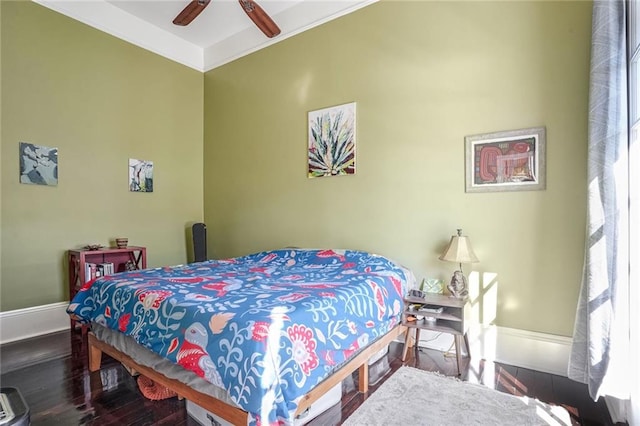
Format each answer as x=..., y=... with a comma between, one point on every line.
x=363, y=378
x=95, y=354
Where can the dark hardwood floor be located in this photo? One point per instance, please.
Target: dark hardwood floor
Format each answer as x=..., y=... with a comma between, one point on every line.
x=51, y=374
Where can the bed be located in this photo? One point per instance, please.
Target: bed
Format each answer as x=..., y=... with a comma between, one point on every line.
x=272, y=331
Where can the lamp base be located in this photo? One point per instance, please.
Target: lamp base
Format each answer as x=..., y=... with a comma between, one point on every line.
x=458, y=285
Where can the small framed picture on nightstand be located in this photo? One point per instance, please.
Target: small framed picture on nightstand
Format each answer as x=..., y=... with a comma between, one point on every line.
x=432, y=285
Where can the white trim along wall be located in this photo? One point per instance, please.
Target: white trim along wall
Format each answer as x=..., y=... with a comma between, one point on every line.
x=31, y=322
x=528, y=349
x=537, y=351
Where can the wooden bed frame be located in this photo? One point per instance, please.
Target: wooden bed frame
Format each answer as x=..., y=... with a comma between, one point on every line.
x=232, y=414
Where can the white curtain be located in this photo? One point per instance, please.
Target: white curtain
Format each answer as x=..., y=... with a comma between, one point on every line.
x=600, y=351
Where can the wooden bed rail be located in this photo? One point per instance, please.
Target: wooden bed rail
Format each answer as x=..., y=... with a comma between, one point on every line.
x=230, y=413
x=233, y=415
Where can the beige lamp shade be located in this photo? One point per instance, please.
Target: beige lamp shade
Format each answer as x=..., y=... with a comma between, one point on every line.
x=459, y=250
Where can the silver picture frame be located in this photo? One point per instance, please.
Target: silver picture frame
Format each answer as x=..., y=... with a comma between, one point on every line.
x=513, y=160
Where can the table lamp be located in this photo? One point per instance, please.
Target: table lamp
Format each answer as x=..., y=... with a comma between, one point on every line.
x=459, y=250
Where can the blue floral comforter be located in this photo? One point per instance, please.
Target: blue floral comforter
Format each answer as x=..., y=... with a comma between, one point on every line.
x=266, y=327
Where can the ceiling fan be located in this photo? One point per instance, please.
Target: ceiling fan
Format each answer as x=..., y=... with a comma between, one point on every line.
x=251, y=8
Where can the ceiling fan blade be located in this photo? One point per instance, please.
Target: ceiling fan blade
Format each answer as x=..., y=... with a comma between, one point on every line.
x=190, y=12
x=260, y=18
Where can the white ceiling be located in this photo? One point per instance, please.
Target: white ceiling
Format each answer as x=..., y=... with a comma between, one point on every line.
x=221, y=33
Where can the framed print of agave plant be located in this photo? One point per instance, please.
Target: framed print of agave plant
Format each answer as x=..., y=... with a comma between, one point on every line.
x=332, y=141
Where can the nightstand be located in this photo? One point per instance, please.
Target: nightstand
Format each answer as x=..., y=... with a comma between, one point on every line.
x=438, y=313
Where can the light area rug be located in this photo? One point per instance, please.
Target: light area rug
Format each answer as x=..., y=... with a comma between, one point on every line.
x=417, y=397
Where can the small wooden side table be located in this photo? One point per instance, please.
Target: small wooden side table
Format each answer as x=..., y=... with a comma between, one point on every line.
x=439, y=313
x=118, y=256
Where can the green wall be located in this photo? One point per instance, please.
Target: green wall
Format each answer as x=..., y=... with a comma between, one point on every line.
x=100, y=101
x=424, y=75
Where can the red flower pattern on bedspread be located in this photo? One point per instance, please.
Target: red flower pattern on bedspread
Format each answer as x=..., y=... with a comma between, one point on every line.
x=331, y=253
x=189, y=357
x=151, y=299
x=260, y=331
x=303, y=347
x=123, y=322
x=379, y=298
x=293, y=297
x=222, y=287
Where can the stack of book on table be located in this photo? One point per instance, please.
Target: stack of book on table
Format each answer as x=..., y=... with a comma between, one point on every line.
x=96, y=270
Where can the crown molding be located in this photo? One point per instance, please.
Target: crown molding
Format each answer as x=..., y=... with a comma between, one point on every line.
x=113, y=20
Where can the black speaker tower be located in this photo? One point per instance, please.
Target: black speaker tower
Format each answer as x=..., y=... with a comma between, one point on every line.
x=199, y=231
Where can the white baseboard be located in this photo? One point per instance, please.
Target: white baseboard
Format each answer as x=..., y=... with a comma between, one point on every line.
x=618, y=409
x=31, y=322
x=528, y=349
x=537, y=351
